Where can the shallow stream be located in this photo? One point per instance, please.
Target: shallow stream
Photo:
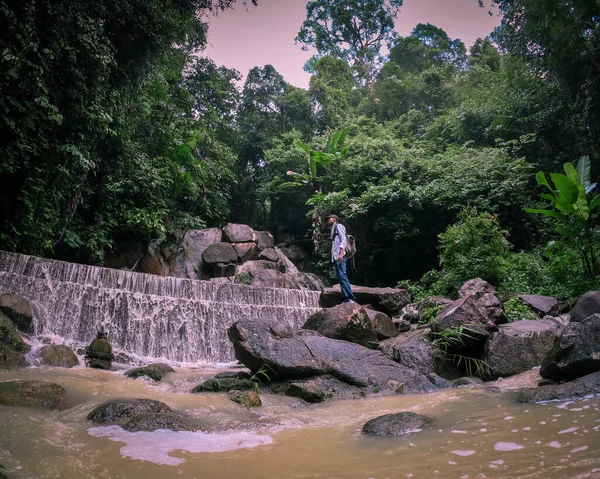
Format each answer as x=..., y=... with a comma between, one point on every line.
x=476, y=433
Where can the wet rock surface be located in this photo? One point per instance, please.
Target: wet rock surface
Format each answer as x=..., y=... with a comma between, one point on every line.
x=58, y=355
x=12, y=346
x=18, y=310
x=583, y=386
x=318, y=389
x=155, y=371
x=223, y=385
x=576, y=353
x=392, y=425
x=123, y=409
x=248, y=399
x=32, y=394
x=151, y=421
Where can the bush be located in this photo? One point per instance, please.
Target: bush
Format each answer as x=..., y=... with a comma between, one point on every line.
x=516, y=310
x=474, y=247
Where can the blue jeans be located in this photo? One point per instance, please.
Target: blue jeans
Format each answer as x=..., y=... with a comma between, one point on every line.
x=340, y=270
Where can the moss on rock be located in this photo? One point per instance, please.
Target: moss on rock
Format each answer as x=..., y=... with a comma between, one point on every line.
x=32, y=394
x=12, y=346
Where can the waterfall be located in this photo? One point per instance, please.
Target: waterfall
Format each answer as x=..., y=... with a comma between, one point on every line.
x=152, y=316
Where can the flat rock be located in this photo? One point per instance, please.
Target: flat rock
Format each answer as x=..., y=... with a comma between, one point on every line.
x=393, y=425
x=32, y=394
x=387, y=300
x=540, y=304
x=318, y=389
x=122, y=409
x=580, y=387
x=223, y=385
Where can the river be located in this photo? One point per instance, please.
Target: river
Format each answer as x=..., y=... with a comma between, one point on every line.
x=476, y=433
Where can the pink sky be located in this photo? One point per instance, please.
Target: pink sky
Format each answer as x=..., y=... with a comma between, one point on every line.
x=245, y=37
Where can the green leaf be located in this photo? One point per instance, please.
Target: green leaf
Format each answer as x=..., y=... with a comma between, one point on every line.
x=541, y=180
x=566, y=187
x=583, y=170
x=554, y=214
x=581, y=204
x=595, y=202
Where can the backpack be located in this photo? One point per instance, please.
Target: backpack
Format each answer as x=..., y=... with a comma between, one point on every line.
x=350, y=245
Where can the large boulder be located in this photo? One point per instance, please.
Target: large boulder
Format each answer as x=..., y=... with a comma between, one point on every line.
x=412, y=350
x=587, y=305
x=156, y=371
x=58, y=355
x=382, y=324
x=219, y=253
x=387, y=300
x=542, y=305
x=151, y=421
x=519, y=346
x=18, y=309
x=346, y=321
x=12, y=346
x=122, y=409
x=246, y=251
x=269, y=254
x=268, y=278
x=304, y=353
x=264, y=239
x=32, y=394
x=238, y=233
x=223, y=385
x=465, y=312
x=318, y=389
x=426, y=309
x=308, y=281
x=486, y=298
x=580, y=387
x=392, y=425
x=576, y=353
x=186, y=259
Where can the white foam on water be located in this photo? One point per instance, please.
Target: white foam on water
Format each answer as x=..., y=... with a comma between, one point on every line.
x=452, y=463
x=514, y=430
x=508, y=418
x=555, y=444
x=458, y=431
x=156, y=446
x=542, y=422
x=463, y=453
x=483, y=429
x=507, y=446
x=578, y=449
x=526, y=428
x=571, y=429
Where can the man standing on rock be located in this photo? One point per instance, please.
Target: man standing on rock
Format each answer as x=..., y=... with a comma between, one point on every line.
x=339, y=243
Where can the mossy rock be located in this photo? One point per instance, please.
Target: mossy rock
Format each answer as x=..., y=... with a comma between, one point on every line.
x=148, y=421
x=392, y=425
x=123, y=409
x=12, y=346
x=155, y=372
x=223, y=385
x=32, y=394
x=245, y=398
x=57, y=355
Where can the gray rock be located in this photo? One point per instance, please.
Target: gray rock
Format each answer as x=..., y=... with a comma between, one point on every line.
x=270, y=278
x=269, y=254
x=347, y=321
x=393, y=425
x=318, y=389
x=264, y=239
x=246, y=251
x=238, y=233
x=412, y=350
x=308, y=281
x=223, y=385
x=18, y=309
x=486, y=297
x=402, y=325
x=307, y=354
x=467, y=381
x=583, y=386
x=223, y=270
x=233, y=375
x=57, y=355
x=587, y=305
x=12, y=346
x=462, y=312
x=32, y=394
x=151, y=421
x=390, y=301
x=154, y=371
x=540, y=304
x=576, y=353
x=519, y=346
x=219, y=253
x=186, y=260
x=382, y=324
x=245, y=398
x=122, y=409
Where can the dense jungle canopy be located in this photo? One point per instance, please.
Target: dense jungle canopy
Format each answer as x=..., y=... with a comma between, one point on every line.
x=116, y=128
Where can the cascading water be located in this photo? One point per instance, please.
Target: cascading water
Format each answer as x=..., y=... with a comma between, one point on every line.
x=151, y=316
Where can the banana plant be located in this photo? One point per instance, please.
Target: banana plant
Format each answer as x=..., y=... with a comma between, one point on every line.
x=574, y=210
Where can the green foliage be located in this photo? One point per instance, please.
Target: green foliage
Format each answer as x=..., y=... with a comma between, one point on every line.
x=516, y=310
x=262, y=375
x=243, y=278
x=474, y=247
x=448, y=340
x=573, y=214
x=430, y=314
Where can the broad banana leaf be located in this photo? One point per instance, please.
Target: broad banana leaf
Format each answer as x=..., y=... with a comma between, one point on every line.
x=581, y=203
x=583, y=170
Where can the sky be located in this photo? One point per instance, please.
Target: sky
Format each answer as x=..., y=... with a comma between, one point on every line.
x=248, y=36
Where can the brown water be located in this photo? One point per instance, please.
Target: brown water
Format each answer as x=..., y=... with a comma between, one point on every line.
x=476, y=434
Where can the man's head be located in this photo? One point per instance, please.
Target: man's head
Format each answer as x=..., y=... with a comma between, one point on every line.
x=333, y=219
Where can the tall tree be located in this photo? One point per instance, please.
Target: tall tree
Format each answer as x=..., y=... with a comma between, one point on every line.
x=354, y=30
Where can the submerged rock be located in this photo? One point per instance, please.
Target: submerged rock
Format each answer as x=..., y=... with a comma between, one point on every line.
x=32, y=394
x=392, y=425
x=58, y=355
x=12, y=346
x=151, y=421
x=580, y=387
x=122, y=409
x=576, y=353
x=155, y=371
x=318, y=389
x=223, y=385
x=245, y=398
